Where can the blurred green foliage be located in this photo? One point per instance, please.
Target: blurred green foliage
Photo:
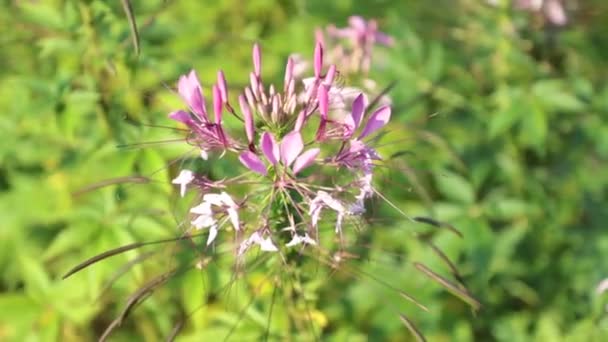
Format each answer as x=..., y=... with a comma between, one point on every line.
x=505, y=118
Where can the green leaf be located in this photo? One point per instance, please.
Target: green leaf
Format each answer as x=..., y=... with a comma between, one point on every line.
x=455, y=187
x=554, y=95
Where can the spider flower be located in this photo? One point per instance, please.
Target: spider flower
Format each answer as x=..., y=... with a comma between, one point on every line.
x=304, y=159
x=286, y=132
x=352, y=46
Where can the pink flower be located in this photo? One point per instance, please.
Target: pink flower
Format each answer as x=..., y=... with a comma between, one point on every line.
x=362, y=32
x=203, y=133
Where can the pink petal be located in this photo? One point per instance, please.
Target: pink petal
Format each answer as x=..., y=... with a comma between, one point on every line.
x=181, y=116
x=270, y=148
x=217, y=104
x=318, y=59
x=384, y=39
x=189, y=88
x=554, y=11
x=291, y=146
x=257, y=60
x=330, y=75
x=221, y=84
x=288, y=71
x=305, y=160
x=300, y=120
x=376, y=121
x=252, y=162
x=354, y=119
x=255, y=84
x=357, y=22
x=319, y=36
x=249, y=126
x=323, y=97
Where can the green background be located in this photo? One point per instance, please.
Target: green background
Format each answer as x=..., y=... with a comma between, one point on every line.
x=504, y=115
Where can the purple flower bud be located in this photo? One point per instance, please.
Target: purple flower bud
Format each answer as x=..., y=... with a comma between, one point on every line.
x=275, y=107
x=319, y=36
x=249, y=126
x=318, y=60
x=250, y=98
x=330, y=75
x=300, y=120
x=221, y=84
x=257, y=60
x=376, y=121
x=288, y=72
x=253, y=162
x=291, y=146
x=217, y=104
x=270, y=148
x=291, y=88
x=323, y=97
x=255, y=85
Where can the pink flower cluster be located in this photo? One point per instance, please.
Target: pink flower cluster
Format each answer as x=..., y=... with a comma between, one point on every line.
x=290, y=146
x=352, y=46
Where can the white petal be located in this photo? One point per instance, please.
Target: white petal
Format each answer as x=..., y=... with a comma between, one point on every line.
x=212, y=234
x=246, y=244
x=184, y=178
x=308, y=240
x=267, y=246
x=215, y=199
x=298, y=239
x=234, y=218
x=204, y=221
x=227, y=200
x=295, y=240
x=202, y=209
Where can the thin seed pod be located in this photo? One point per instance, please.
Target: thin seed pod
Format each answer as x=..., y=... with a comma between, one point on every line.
x=438, y=224
x=126, y=5
x=143, y=292
x=412, y=328
x=113, y=181
x=448, y=285
x=448, y=262
x=106, y=333
x=119, y=250
x=123, y=270
x=413, y=300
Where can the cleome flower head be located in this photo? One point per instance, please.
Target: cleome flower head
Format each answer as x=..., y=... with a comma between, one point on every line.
x=303, y=163
x=285, y=131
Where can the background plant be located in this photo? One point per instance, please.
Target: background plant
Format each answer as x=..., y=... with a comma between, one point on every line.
x=504, y=114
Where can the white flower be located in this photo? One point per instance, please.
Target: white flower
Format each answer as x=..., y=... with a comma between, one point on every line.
x=205, y=213
x=222, y=200
x=184, y=178
x=265, y=244
x=324, y=199
x=602, y=286
x=298, y=239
